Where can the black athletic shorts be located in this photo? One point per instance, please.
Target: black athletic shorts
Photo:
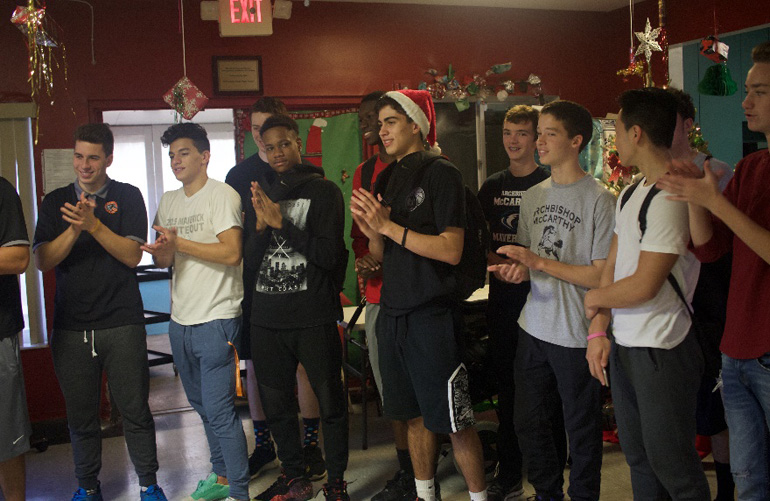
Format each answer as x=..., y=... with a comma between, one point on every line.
x=421, y=370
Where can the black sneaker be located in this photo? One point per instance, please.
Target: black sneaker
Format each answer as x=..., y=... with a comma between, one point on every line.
x=261, y=457
x=315, y=466
x=396, y=488
x=284, y=489
x=500, y=490
x=336, y=491
x=278, y=487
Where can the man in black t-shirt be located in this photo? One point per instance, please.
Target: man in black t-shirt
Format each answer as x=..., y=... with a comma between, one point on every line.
x=500, y=198
x=415, y=228
x=15, y=429
x=90, y=231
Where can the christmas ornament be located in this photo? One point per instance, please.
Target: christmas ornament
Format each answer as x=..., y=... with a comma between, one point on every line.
x=185, y=97
x=718, y=82
x=713, y=49
x=648, y=41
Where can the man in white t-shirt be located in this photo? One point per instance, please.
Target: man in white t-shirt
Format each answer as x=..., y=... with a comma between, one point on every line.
x=199, y=234
x=656, y=361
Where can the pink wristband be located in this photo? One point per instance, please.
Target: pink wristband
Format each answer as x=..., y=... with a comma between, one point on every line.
x=595, y=335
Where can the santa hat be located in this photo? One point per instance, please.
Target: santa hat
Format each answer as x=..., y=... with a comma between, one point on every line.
x=418, y=106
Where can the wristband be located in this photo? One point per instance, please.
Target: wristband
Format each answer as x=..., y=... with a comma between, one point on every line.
x=403, y=238
x=96, y=226
x=595, y=335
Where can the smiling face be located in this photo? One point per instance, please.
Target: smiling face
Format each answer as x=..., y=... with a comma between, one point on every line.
x=399, y=136
x=187, y=163
x=283, y=148
x=519, y=141
x=90, y=163
x=257, y=119
x=367, y=122
x=554, y=145
x=756, y=106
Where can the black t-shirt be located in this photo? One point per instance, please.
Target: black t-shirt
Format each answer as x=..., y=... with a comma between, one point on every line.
x=12, y=232
x=500, y=198
x=93, y=289
x=410, y=281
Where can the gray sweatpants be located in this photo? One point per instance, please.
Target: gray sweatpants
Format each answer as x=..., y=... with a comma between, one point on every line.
x=79, y=357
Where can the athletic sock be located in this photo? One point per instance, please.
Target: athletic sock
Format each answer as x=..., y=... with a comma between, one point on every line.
x=426, y=489
x=478, y=496
x=404, y=461
x=311, y=431
x=262, y=437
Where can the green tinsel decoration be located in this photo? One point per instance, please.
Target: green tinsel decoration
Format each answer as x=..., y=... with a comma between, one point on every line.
x=718, y=82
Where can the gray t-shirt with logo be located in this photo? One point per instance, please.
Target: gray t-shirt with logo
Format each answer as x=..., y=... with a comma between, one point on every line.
x=572, y=224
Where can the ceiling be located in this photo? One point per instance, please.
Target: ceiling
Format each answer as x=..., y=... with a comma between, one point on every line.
x=586, y=5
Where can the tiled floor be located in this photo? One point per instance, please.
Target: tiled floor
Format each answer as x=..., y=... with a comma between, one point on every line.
x=183, y=457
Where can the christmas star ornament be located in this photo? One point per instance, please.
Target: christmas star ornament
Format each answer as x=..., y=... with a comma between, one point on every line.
x=648, y=41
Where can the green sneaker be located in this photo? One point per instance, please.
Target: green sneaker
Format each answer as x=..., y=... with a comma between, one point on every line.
x=210, y=490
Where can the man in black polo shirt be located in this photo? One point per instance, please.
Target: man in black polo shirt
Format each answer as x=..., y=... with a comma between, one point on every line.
x=15, y=429
x=91, y=231
x=415, y=228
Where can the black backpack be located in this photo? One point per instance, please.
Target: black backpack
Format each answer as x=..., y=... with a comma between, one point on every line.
x=709, y=299
x=471, y=271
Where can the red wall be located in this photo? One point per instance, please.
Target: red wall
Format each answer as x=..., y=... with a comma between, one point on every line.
x=333, y=52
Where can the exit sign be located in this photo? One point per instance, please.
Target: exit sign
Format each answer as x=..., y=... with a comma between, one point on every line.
x=245, y=18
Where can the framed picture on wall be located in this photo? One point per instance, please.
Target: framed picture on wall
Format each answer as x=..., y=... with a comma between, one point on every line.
x=237, y=75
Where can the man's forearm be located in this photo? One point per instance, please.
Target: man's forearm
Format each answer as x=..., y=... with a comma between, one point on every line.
x=14, y=259
x=219, y=252
x=50, y=254
x=123, y=249
x=583, y=276
x=446, y=247
x=701, y=228
x=377, y=248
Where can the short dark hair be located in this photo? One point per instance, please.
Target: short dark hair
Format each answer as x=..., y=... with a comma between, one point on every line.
x=187, y=130
x=389, y=101
x=653, y=110
x=684, y=105
x=279, y=121
x=521, y=113
x=575, y=118
x=761, y=53
x=96, y=134
x=271, y=105
x=372, y=96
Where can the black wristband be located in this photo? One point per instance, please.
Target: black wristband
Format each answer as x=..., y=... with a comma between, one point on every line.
x=403, y=238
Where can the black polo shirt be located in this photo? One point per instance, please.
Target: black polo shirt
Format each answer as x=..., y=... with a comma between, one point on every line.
x=429, y=207
x=93, y=289
x=12, y=232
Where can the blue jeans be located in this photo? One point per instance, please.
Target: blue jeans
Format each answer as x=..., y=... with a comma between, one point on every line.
x=747, y=407
x=206, y=364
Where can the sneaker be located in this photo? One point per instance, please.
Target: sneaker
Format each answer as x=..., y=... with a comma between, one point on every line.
x=261, y=457
x=500, y=490
x=538, y=497
x=336, y=491
x=88, y=495
x=210, y=490
x=396, y=488
x=153, y=493
x=283, y=489
x=315, y=466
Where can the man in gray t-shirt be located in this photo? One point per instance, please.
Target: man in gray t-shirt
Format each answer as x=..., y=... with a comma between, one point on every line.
x=565, y=228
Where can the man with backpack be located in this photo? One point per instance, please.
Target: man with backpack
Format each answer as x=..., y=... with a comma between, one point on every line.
x=299, y=244
x=648, y=283
x=415, y=225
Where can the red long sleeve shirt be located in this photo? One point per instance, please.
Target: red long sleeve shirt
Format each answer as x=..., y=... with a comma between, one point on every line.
x=747, y=331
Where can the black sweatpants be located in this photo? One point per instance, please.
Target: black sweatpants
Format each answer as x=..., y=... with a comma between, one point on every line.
x=276, y=354
x=79, y=357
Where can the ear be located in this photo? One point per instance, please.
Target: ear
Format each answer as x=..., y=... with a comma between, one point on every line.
x=299, y=145
x=576, y=141
x=109, y=160
x=635, y=133
x=206, y=156
x=688, y=124
x=416, y=128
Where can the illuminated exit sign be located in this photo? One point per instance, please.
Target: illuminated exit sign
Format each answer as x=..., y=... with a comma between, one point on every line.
x=245, y=18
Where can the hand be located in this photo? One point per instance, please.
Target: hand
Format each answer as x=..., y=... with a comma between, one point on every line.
x=81, y=215
x=367, y=267
x=164, y=247
x=688, y=184
x=589, y=304
x=598, y=354
x=268, y=212
x=370, y=209
x=512, y=273
x=364, y=226
x=522, y=255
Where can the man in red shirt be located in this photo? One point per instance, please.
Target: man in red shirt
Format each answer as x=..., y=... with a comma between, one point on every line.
x=739, y=220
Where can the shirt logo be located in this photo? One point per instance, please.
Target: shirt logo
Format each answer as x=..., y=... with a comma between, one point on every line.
x=111, y=207
x=415, y=199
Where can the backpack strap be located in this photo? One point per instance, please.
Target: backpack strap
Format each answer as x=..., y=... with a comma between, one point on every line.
x=678, y=291
x=645, y=204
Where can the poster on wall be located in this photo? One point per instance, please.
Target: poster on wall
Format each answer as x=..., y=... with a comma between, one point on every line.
x=57, y=168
